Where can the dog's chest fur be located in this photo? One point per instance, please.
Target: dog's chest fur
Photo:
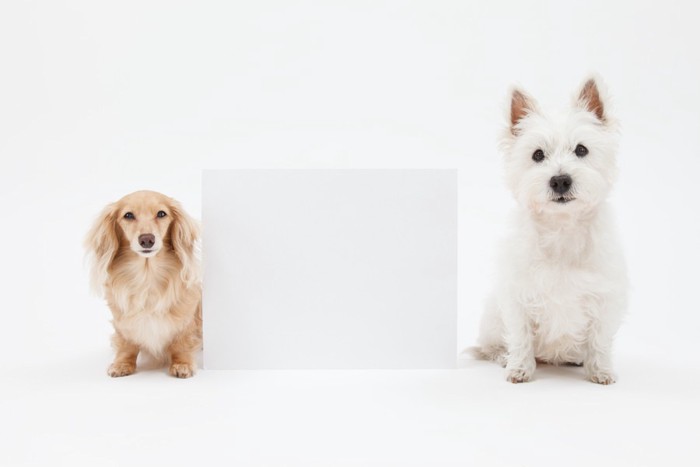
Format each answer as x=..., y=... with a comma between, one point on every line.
x=143, y=302
x=561, y=278
x=559, y=303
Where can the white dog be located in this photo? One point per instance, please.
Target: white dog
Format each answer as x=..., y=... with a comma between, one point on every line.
x=562, y=287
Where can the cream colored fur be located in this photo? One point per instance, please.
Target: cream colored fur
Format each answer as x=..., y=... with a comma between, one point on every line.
x=154, y=293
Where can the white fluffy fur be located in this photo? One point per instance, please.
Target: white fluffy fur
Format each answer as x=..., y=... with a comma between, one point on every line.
x=561, y=291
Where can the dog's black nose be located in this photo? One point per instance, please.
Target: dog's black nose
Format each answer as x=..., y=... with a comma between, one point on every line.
x=147, y=240
x=560, y=183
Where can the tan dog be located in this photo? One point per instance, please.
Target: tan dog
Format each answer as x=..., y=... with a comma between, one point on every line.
x=144, y=263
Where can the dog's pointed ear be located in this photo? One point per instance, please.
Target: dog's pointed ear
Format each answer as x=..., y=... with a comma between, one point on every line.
x=185, y=236
x=521, y=105
x=102, y=244
x=590, y=98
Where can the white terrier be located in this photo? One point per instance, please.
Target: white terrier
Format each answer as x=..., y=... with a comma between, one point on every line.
x=562, y=288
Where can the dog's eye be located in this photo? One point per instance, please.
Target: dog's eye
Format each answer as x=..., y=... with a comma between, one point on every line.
x=129, y=215
x=161, y=214
x=581, y=150
x=538, y=156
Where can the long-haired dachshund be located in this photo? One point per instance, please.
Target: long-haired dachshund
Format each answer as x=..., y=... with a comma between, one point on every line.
x=144, y=263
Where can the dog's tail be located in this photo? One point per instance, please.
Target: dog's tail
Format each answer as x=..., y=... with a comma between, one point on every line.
x=475, y=352
x=490, y=353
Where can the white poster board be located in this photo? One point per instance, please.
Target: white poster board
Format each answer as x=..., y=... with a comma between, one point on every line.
x=330, y=269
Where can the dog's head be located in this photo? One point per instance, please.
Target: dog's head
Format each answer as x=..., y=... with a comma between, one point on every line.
x=143, y=219
x=145, y=224
x=565, y=162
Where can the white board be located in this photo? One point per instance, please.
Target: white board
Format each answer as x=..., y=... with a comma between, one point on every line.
x=330, y=269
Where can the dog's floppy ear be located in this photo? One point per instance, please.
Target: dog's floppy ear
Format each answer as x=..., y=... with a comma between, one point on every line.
x=184, y=235
x=591, y=98
x=102, y=244
x=520, y=106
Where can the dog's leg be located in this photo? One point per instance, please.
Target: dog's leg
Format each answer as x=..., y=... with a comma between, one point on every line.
x=124, y=362
x=597, y=360
x=182, y=358
x=519, y=339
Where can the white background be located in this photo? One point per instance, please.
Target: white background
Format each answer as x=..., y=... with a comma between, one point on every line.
x=98, y=99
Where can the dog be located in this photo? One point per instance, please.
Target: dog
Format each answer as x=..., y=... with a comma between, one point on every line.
x=562, y=288
x=145, y=263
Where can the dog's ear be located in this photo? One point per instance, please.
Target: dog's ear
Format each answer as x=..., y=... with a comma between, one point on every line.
x=184, y=235
x=102, y=244
x=520, y=106
x=590, y=98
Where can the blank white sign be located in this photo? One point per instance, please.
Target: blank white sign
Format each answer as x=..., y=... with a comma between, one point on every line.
x=330, y=269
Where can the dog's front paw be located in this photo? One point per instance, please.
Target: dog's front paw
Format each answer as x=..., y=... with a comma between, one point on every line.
x=181, y=370
x=518, y=375
x=117, y=369
x=602, y=377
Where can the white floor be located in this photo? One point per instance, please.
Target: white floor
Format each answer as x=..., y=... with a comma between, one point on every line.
x=70, y=413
